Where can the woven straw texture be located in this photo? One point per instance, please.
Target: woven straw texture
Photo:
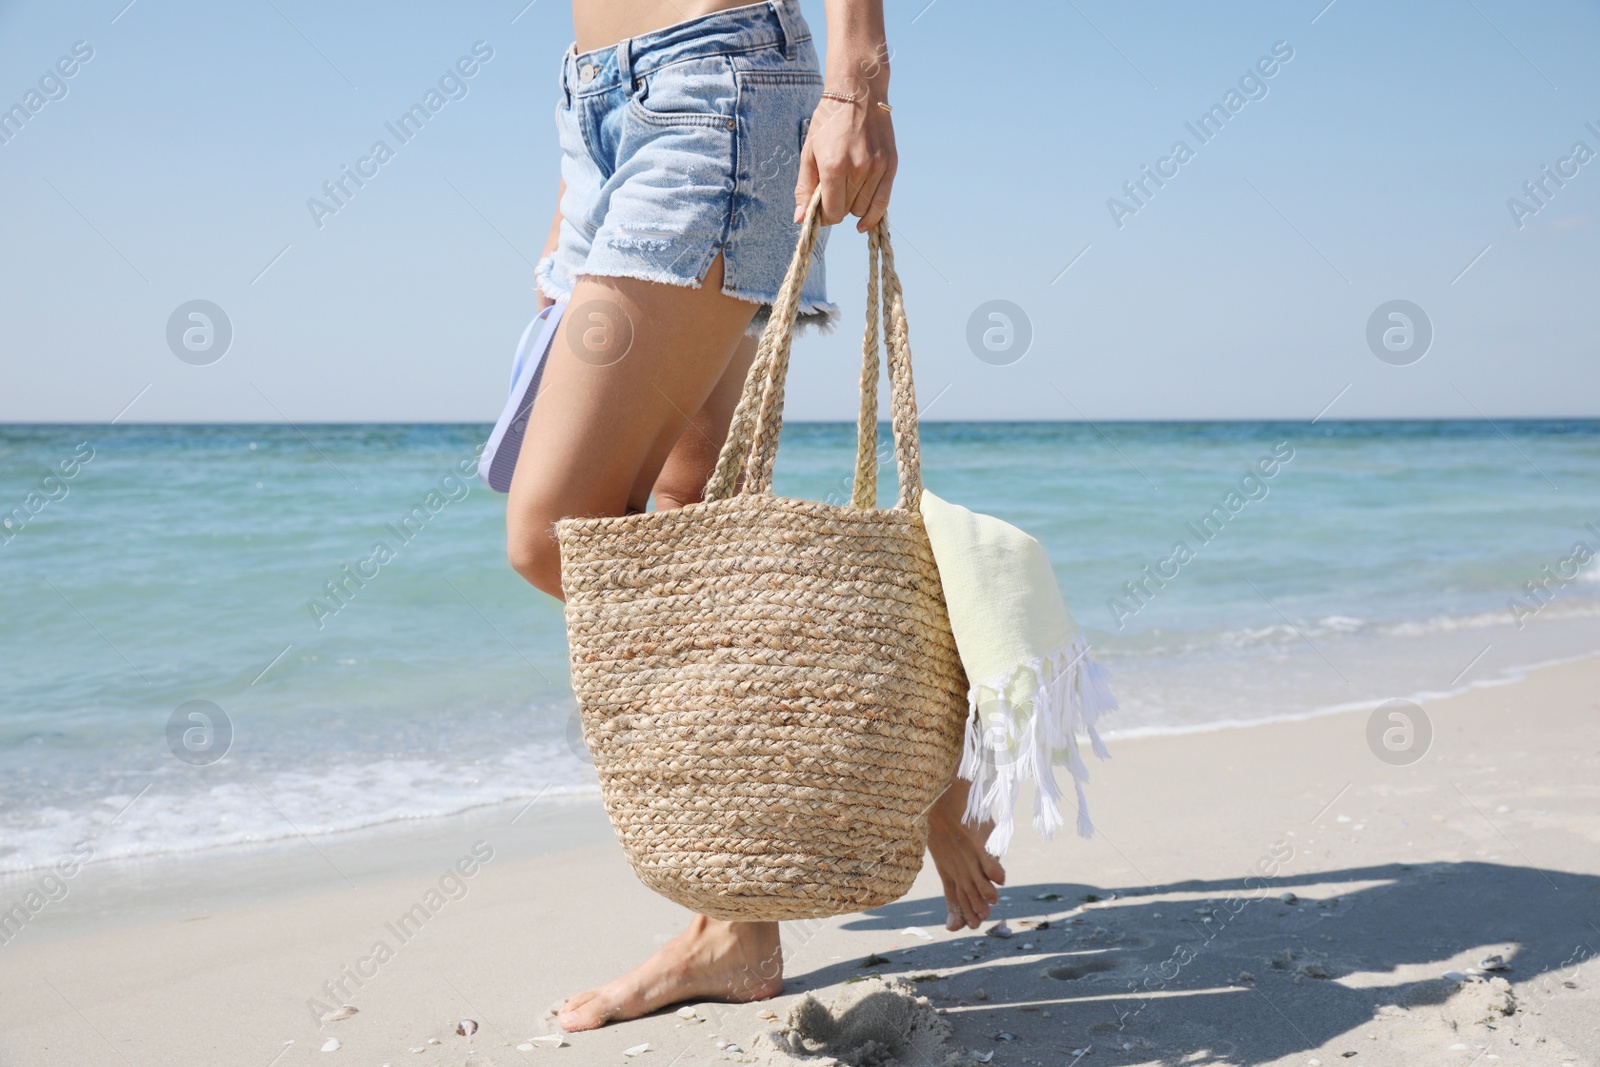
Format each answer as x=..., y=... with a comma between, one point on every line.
x=769, y=687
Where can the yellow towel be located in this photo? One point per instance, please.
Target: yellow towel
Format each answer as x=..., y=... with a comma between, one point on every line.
x=1034, y=684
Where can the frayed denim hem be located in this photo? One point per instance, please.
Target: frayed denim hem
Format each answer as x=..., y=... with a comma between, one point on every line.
x=544, y=283
x=818, y=315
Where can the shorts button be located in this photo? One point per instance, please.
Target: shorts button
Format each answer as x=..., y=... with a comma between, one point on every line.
x=586, y=74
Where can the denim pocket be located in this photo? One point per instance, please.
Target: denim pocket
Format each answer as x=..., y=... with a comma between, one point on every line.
x=775, y=110
x=695, y=92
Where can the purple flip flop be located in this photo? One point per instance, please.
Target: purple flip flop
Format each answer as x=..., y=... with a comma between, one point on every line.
x=499, y=459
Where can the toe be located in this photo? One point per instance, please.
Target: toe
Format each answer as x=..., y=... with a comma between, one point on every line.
x=582, y=1012
x=972, y=909
x=952, y=906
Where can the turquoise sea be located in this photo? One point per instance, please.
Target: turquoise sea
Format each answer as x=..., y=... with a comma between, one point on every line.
x=152, y=574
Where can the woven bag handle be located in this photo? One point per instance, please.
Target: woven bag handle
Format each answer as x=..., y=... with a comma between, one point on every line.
x=752, y=441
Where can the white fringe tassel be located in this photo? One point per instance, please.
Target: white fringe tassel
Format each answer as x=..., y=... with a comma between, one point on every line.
x=1009, y=742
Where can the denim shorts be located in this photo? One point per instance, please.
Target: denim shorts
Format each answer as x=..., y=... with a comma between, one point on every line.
x=685, y=143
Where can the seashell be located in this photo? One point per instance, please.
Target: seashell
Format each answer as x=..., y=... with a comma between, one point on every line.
x=1494, y=963
x=333, y=1045
x=418, y=1048
x=1025, y=945
x=553, y=1040
x=687, y=1012
x=733, y=1049
x=917, y=931
x=635, y=1050
x=1288, y=898
x=982, y=1057
x=466, y=1027
x=343, y=1011
x=999, y=929
x=525, y=1047
x=1004, y=1036
x=434, y=1041
x=1081, y=1052
x=767, y=1014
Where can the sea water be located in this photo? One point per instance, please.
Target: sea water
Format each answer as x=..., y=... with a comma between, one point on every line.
x=335, y=606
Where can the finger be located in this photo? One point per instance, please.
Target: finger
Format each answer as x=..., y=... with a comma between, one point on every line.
x=864, y=188
x=807, y=184
x=880, y=201
x=834, y=202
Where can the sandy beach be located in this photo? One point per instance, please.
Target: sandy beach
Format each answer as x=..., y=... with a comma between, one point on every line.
x=1274, y=894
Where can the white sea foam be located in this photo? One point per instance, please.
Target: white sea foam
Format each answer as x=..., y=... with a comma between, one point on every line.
x=166, y=818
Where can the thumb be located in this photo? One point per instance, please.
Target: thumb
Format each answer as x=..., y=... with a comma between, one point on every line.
x=806, y=186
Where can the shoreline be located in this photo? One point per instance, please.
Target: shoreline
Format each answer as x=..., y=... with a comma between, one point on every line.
x=570, y=794
x=1488, y=845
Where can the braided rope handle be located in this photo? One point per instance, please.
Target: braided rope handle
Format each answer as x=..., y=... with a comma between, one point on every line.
x=752, y=442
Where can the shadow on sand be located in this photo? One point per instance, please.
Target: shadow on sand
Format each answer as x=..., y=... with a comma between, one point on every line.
x=1208, y=970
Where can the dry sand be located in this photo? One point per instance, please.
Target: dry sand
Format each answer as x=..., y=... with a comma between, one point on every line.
x=1166, y=943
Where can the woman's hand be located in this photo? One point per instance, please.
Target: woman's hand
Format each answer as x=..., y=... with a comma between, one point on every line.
x=849, y=150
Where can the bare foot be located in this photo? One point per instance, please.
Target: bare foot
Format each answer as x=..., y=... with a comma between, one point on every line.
x=970, y=874
x=711, y=960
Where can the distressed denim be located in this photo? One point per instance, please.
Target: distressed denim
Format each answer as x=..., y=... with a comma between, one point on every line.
x=685, y=143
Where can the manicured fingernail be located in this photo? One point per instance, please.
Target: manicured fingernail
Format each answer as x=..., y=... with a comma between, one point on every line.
x=799, y=213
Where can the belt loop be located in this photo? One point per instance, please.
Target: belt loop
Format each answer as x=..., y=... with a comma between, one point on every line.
x=625, y=64
x=788, y=24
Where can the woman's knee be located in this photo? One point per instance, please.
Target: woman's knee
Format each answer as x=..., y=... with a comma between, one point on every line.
x=533, y=552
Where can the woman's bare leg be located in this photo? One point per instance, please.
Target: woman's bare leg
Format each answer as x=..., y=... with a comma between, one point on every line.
x=710, y=960
x=630, y=365
x=970, y=875
x=694, y=456
x=608, y=427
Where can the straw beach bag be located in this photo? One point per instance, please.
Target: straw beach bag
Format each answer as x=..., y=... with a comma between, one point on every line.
x=769, y=687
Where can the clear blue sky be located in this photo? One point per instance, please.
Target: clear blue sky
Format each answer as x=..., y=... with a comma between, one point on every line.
x=1378, y=166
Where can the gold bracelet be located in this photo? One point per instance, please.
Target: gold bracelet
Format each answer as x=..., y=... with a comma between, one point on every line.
x=834, y=94
x=885, y=107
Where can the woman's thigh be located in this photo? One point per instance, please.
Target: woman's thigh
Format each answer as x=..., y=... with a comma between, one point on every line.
x=693, y=455
x=632, y=363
